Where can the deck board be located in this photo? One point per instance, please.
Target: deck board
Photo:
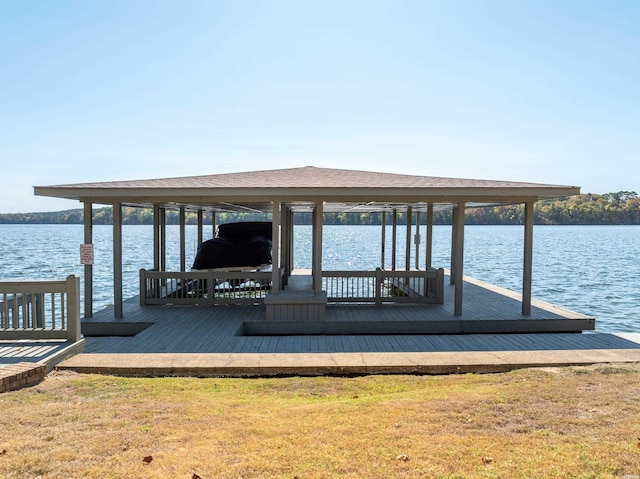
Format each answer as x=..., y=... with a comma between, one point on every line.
x=203, y=329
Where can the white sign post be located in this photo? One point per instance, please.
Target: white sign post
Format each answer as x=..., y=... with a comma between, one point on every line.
x=86, y=254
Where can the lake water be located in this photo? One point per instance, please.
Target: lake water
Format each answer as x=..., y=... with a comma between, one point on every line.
x=594, y=270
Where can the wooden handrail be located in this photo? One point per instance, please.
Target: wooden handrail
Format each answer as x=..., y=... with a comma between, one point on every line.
x=40, y=309
x=203, y=287
x=431, y=281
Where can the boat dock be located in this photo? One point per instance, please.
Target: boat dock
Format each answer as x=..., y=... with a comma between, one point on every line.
x=225, y=341
x=236, y=340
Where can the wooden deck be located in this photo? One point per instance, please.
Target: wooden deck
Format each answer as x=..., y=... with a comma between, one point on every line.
x=346, y=328
x=212, y=341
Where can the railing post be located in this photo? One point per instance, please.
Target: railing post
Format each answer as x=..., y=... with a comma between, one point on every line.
x=425, y=279
x=15, y=312
x=211, y=288
x=440, y=286
x=378, y=286
x=143, y=287
x=73, y=308
x=38, y=314
x=3, y=309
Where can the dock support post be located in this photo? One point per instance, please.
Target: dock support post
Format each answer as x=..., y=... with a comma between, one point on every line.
x=318, y=219
x=429, y=239
x=407, y=253
x=383, y=222
x=183, y=242
x=275, y=252
x=416, y=240
x=200, y=222
x=292, y=243
x=156, y=237
x=163, y=239
x=284, y=240
x=454, y=237
x=88, y=268
x=459, y=257
x=117, y=260
x=394, y=239
x=288, y=252
x=528, y=258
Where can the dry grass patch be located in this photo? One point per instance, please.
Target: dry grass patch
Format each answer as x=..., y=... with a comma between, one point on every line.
x=565, y=422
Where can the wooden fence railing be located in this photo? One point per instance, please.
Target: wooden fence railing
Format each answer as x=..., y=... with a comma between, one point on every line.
x=40, y=309
x=203, y=287
x=414, y=286
x=238, y=287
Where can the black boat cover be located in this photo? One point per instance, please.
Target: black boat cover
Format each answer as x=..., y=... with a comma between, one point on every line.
x=246, y=244
x=245, y=230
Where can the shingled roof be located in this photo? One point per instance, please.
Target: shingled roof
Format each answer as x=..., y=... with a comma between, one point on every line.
x=343, y=189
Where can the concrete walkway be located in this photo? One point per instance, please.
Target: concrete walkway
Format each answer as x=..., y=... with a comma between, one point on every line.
x=344, y=363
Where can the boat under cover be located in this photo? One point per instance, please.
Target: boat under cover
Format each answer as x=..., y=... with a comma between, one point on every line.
x=243, y=245
x=245, y=230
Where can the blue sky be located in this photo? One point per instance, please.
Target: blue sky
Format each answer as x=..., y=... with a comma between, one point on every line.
x=541, y=91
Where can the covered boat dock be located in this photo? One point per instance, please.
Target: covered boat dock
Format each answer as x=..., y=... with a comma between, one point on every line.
x=299, y=303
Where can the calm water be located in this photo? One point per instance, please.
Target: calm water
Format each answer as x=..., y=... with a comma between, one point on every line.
x=594, y=270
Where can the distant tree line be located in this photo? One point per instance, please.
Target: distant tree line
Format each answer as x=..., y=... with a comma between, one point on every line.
x=621, y=208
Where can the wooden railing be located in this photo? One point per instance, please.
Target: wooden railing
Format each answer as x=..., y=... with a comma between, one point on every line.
x=415, y=286
x=351, y=286
x=239, y=287
x=40, y=309
x=203, y=287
